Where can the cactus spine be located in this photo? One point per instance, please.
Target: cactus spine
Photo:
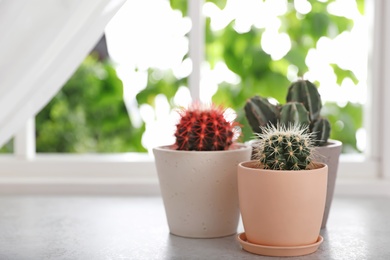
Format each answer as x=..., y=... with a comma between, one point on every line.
x=203, y=128
x=285, y=148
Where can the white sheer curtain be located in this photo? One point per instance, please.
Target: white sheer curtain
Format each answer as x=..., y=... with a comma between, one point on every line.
x=42, y=42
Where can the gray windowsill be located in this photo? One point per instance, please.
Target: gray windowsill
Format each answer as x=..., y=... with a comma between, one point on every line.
x=112, y=227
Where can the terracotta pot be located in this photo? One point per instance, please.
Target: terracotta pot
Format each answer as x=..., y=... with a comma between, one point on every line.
x=282, y=208
x=199, y=190
x=329, y=154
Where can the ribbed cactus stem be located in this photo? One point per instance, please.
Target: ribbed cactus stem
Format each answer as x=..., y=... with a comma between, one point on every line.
x=321, y=129
x=303, y=106
x=260, y=112
x=306, y=92
x=285, y=147
x=294, y=113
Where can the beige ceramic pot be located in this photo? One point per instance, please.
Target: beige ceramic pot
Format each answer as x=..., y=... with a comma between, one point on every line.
x=282, y=208
x=199, y=190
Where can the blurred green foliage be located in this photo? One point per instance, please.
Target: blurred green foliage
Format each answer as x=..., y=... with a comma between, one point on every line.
x=261, y=75
x=8, y=147
x=88, y=114
x=345, y=121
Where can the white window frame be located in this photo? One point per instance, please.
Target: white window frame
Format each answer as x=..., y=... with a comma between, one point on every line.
x=25, y=171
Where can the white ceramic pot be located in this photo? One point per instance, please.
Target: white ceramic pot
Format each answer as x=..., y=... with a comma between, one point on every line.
x=199, y=190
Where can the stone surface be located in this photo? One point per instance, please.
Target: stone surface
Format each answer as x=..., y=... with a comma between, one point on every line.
x=82, y=227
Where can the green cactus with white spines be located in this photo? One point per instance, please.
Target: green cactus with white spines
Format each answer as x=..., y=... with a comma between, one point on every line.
x=306, y=92
x=285, y=148
x=303, y=106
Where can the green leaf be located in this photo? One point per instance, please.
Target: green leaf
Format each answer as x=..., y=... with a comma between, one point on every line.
x=340, y=24
x=361, y=6
x=342, y=74
x=319, y=24
x=220, y=3
x=297, y=57
x=180, y=5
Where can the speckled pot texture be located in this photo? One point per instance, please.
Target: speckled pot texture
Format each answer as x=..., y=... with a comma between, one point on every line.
x=199, y=190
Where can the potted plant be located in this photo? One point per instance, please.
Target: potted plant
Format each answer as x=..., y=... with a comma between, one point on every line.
x=303, y=105
x=282, y=194
x=198, y=174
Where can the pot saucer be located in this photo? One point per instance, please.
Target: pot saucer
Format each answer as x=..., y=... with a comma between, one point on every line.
x=276, y=250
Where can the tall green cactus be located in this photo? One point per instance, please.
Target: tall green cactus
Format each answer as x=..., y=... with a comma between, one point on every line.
x=285, y=148
x=303, y=106
x=305, y=92
x=293, y=112
x=260, y=112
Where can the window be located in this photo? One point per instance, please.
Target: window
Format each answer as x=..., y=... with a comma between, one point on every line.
x=140, y=166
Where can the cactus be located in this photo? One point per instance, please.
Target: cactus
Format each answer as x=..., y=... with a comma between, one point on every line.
x=305, y=92
x=285, y=147
x=303, y=106
x=204, y=128
x=293, y=112
x=260, y=112
x=321, y=129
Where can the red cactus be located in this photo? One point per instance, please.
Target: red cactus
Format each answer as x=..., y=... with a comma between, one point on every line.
x=204, y=129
